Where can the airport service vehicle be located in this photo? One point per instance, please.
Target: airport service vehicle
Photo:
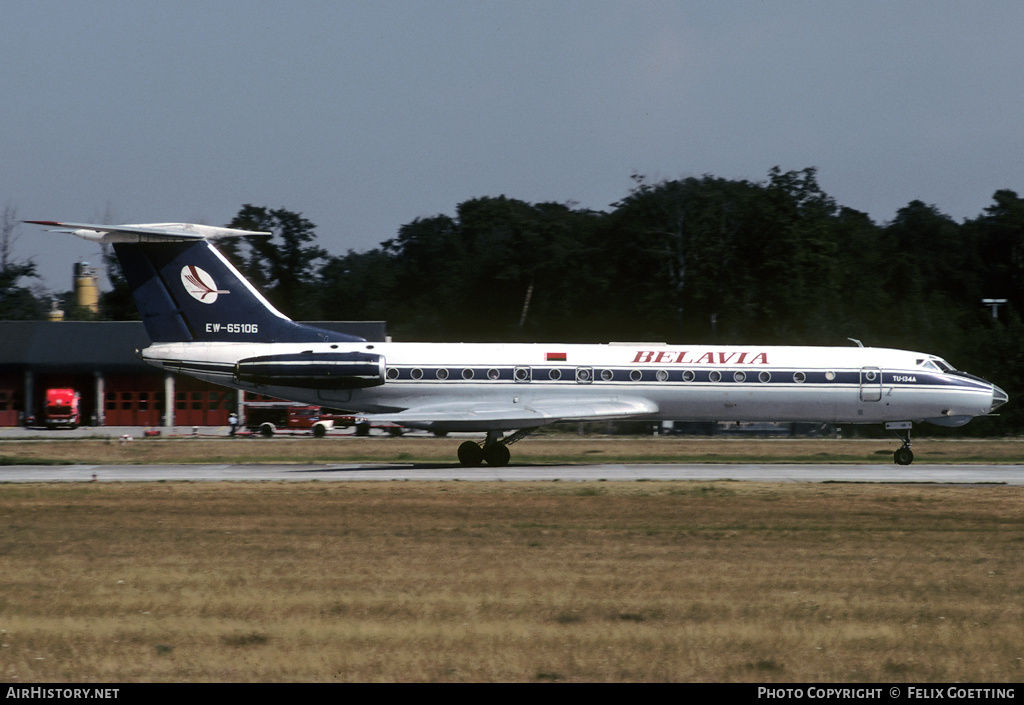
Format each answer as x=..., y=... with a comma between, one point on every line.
x=206, y=320
x=62, y=408
x=268, y=418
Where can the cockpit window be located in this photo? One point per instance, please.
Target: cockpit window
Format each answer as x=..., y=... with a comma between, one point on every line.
x=936, y=363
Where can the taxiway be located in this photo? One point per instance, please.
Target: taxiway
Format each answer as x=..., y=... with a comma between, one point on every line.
x=437, y=472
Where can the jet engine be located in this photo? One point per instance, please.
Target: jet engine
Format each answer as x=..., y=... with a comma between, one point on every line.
x=310, y=370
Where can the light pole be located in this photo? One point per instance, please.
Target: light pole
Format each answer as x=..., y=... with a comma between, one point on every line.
x=994, y=304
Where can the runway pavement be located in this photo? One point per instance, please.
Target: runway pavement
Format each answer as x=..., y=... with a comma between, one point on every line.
x=943, y=474
x=340, y=472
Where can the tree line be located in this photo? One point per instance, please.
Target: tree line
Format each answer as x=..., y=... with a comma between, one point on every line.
x=693, y=260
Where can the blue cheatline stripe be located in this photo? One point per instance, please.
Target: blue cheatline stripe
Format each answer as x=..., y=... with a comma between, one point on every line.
x=750, y=377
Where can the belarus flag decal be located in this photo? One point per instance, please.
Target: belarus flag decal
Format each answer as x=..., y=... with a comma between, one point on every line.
x=555, y=357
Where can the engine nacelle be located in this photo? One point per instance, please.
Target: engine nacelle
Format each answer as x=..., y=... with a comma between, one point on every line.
x=351, y=370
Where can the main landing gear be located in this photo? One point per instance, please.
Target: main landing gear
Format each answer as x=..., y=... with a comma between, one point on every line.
x=494, y=450
x=903, y=456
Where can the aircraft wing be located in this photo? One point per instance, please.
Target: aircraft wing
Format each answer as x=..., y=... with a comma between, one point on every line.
x=499, y=416
x=153, y=232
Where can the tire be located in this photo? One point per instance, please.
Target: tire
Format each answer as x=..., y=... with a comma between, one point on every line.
x=319, y=431
x=471, y=454
x=267, y=429
x=903, y=456
x=497, y=455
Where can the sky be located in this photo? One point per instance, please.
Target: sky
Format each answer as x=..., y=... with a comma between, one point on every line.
x=365, y=115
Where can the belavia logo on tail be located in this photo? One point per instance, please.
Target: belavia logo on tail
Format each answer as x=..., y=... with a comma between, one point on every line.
x=200, y=285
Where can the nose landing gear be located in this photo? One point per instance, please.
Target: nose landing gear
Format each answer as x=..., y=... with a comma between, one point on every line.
x=903, y=456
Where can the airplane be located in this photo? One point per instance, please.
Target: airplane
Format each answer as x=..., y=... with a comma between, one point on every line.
x=206, y=320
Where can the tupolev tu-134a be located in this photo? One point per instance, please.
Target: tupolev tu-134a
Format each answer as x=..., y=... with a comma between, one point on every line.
x=206, y=320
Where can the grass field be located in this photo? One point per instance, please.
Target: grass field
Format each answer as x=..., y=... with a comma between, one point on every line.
x=540, y=449
x=643, y=581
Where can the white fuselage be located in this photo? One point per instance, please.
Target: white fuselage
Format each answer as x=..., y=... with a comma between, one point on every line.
x=673, y=382
x=188, y=292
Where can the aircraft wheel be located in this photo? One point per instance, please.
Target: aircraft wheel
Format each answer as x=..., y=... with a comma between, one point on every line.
x=497, y=455
x=471, y=454
x=904, y=456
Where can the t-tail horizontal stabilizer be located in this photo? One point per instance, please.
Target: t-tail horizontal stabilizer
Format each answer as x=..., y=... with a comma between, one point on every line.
x=187, y=291
x=152, y=232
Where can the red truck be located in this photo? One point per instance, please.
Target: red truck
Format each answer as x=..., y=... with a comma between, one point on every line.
x=62, y=408
x=268, y=418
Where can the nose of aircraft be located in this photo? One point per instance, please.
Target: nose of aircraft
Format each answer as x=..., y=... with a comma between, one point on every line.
x=999, y=397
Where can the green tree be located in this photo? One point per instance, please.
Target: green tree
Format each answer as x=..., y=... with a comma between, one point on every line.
x=930, y=279
x=427, y=261
x=713, y=259
x=999, y=235
x=357, y=286
x=501, y=270
x=118, y=304
x=797, y=260
x=863, y=306
x=523, y=264
x=284, y=265
x=17, y=303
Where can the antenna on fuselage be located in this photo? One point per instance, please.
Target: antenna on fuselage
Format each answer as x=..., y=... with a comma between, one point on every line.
x=859, y=344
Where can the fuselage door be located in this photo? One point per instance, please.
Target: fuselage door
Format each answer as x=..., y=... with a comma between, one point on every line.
x=870, y=384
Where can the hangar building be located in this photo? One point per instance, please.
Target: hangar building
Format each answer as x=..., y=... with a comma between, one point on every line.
x=97, y=358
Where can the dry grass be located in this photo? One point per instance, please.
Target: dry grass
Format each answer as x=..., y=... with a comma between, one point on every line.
x=498, y=582
x=540, y=449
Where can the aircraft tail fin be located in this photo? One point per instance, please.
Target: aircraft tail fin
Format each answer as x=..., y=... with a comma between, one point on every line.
x=187, y=291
